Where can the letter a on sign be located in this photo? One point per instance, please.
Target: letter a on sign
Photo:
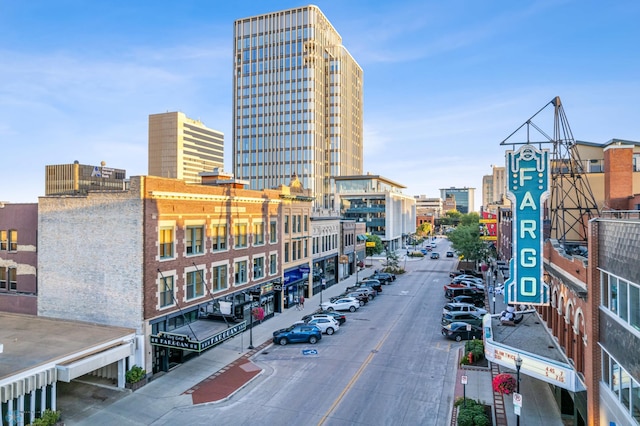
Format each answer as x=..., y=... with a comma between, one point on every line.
x=527, y=188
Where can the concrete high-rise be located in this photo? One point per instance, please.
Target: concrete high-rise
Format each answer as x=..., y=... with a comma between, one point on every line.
x=298, y=102
x=181, y=148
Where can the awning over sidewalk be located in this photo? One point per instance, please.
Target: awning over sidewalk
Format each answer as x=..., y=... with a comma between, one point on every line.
x=526, y=342
x=197, y=336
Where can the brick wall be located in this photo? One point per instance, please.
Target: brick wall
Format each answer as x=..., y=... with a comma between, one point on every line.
x=90, y=257
x=618, y=176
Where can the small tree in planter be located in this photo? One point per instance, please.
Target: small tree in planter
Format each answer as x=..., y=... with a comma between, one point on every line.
x=136, y=377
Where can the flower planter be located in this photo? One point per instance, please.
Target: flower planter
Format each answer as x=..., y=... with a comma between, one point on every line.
x=137, y=385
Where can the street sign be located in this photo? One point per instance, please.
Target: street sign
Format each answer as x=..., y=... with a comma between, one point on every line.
x=517, y=399
x=468, y=327
x=309, y=352
x=463, y=380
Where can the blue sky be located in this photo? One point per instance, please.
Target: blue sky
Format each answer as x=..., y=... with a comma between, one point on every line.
x=444, y=81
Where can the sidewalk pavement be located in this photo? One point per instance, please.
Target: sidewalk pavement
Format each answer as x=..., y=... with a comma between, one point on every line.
x=217, y=374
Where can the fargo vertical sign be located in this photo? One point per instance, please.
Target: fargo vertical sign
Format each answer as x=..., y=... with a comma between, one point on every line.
x=527, y=188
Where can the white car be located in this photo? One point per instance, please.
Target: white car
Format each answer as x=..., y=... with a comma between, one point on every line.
x=465, y=277
x=325, y=324
x=342, y=304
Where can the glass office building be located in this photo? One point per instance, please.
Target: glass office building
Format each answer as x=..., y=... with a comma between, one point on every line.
x=297, y=102
x=464, y=198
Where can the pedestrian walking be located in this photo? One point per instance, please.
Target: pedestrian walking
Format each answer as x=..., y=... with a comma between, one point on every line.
x=301, y=301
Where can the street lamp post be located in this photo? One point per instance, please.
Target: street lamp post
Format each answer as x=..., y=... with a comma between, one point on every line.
x=494, y=301
x=518, y=365
x=357, y=268
x=251, y=326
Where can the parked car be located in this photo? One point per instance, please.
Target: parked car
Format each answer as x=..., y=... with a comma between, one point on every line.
x=435, y=255
x=341, y=318
x=451, y=292
x=474, y=300
x=326, y=324
x=368, y=291
x=472, y=283
x=449, y=254
x=467, y=277
x=297, y=333
x=458, y=331
x=383, y=276
x=469, y=272
x=361, y=297
x=466, y=317
x=341, y=304
x=374, y=284
x=463, y=307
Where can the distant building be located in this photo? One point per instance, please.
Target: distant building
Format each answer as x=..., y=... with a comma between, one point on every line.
x=298, y=102
x=429, y=206
x=19, y=258
x=494, y=187
x=380, y=204
x=464, y=198
x=449, y=204
x=181, y=147
x=78, y=179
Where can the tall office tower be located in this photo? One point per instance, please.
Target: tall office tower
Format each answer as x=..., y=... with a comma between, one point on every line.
x=181, y=148
x=298, y=102
x=465, y=202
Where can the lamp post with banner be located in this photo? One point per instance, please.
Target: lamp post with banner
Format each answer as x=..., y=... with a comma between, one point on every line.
x=517, y=397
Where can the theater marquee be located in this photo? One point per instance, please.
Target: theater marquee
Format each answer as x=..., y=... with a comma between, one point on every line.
x=527, y=188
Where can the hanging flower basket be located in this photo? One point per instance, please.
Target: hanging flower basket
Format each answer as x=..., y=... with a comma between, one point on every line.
x=504, y=383
x=258, y=314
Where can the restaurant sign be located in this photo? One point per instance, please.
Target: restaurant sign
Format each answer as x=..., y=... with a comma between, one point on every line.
x=527, y=188
x=180, y=341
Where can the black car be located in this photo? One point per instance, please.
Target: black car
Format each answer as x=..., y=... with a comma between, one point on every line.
x=458, y=331
x=449, y=254
x=383, y=277
x=435, y=255
x=341, y=318
x=452, y=292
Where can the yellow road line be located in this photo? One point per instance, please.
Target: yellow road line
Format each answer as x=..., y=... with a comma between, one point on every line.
x=356, y=376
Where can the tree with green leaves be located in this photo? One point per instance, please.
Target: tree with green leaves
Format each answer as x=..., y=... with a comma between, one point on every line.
x=392, y=263
x=465, y=239
x=377, y=249
x=451, y=218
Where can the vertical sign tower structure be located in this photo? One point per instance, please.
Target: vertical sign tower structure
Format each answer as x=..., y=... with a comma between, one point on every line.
x=527, y=188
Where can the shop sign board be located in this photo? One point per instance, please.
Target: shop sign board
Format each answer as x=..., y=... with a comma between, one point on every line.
x=180, y=341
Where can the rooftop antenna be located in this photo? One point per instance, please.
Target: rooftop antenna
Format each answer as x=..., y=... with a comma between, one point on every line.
x=571, y=203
